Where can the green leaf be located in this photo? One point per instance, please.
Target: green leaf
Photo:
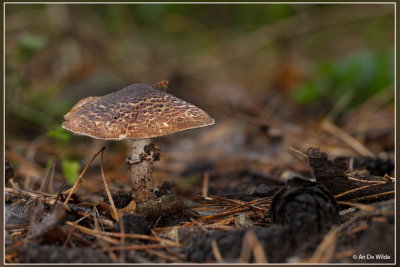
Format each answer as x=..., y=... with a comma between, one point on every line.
x=70, y=169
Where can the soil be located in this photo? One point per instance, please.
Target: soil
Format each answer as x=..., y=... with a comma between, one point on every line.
x=271, y=222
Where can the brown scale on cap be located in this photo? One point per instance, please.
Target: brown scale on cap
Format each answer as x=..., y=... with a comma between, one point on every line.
x=138, y=111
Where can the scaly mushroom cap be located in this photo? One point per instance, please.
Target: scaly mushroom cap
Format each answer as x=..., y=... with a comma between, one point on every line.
x=138, y=111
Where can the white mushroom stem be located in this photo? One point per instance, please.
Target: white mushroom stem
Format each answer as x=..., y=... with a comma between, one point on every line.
x=142, y=180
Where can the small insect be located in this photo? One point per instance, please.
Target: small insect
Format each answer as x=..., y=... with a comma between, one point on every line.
x=163, y=84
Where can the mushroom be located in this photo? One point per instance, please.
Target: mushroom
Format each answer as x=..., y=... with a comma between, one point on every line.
x=137, y=112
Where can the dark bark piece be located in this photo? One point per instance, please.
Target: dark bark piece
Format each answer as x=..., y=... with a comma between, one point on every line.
x=375, y=166
x=331, y=174
x=166, y=188
x=134, y=224
x=165, y=205
x=121, y=199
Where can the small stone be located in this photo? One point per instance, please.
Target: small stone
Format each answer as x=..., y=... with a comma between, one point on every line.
x=244, y=221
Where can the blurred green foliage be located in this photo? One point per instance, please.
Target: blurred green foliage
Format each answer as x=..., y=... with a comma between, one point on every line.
x=70, y=169
x=32, y=103
x=363, y=74
x=190, y=180
x=59, y=134
x=238, y=16
x=111, y=38
x=30, y=44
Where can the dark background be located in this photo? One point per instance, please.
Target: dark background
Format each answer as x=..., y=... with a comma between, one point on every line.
x=269, y=74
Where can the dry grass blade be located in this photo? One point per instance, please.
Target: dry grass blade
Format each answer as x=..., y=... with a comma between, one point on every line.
x=101, y=239
x=206, y=207
x=72, y=230
x=22, y=229
x=232, y=201
x=141, y=247
x=239, y=203
x=250, y=245
x=360, y=206
x=233, y=206
x=245, y=253
x=255, y=246
x=345, y=137
x=357, y=229
x=351, y=191
x=163, y=255
x=57, y=197
x=190, y=224
x=387, y=177
x=89, y=231
x=122, y=256
x=206, y=178
x=13, y=184
x=216, y=252
x=261, y=200
x=16, y=226
x=79, y=180
x=366, y=181
x=49, y=174
x=49, y=200
x=298, y=152
x=216, y=216
x=9, y=257
x=98, y=234
x=199, y=224
x=372, y=196
x=26, y=194
x=326, y=249
x=201, y=206
x=114, y=209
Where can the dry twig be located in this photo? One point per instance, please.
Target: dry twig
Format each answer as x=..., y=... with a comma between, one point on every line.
x=79, y=180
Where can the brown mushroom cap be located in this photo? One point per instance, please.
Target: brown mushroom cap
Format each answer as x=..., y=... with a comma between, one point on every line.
x=138, y=111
